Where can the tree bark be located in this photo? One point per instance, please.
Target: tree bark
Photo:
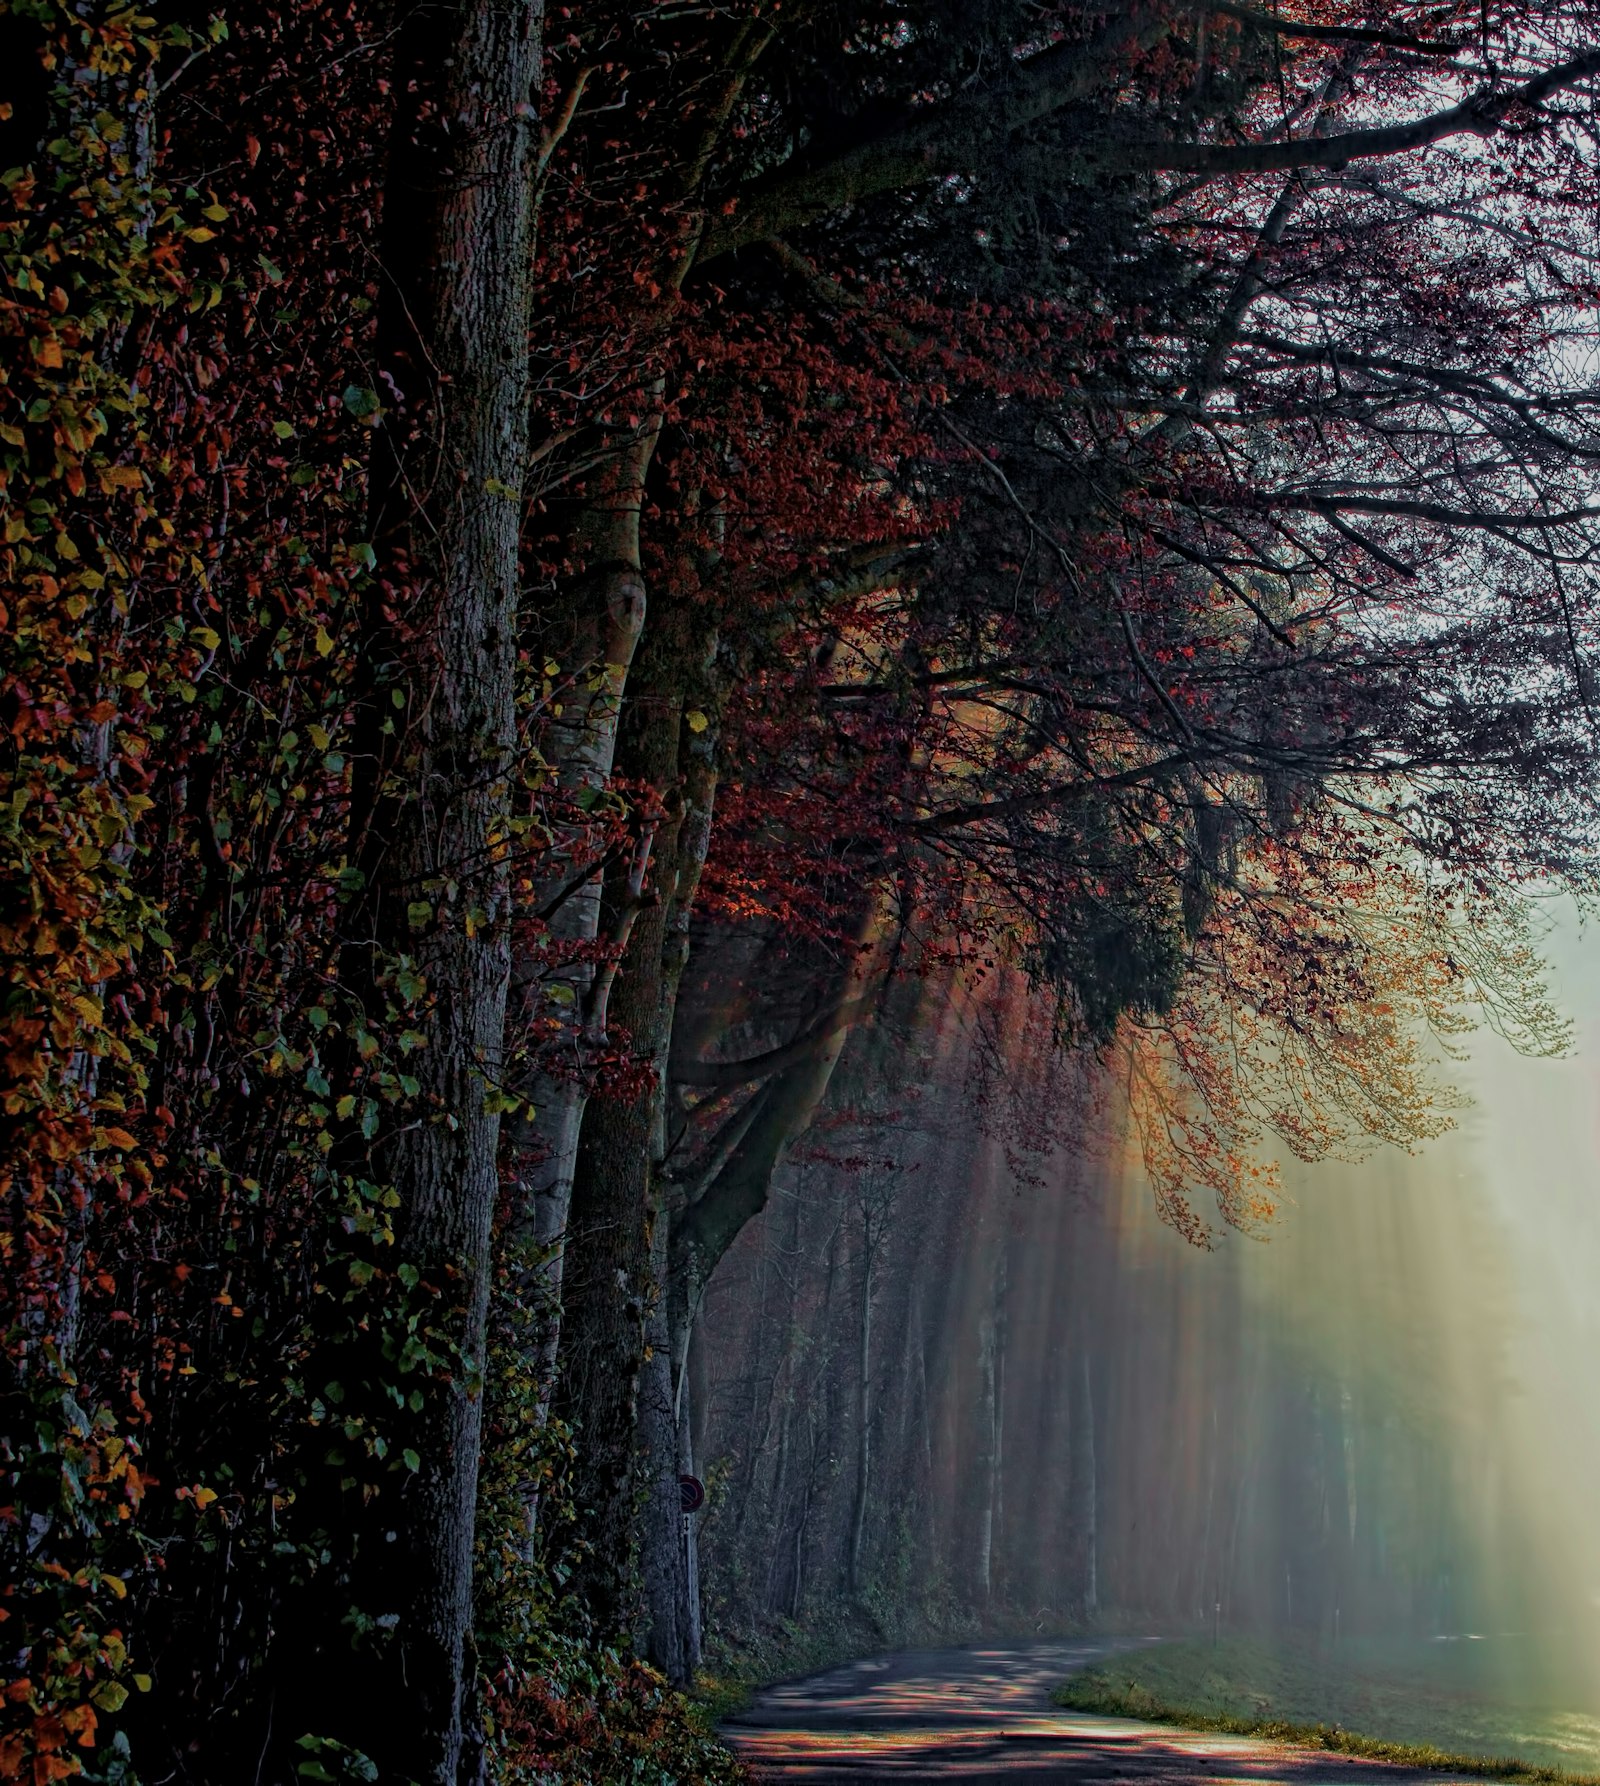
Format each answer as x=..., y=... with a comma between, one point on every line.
x=430, y=810
x=597, y=660
x=608, y=1286
x=858, y=1513
x=693, y=1629
x=632, y=1196
x=663, y=1561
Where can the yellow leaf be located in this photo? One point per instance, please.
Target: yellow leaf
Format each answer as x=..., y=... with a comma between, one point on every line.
x=697, y=722
x=324, y=641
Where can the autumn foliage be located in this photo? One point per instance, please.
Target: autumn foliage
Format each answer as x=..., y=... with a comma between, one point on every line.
x=1171, y=582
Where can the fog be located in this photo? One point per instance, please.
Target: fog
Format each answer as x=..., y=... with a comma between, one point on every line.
x=961, y=1375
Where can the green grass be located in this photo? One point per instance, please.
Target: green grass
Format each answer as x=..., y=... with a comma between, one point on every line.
x=1423, y=1706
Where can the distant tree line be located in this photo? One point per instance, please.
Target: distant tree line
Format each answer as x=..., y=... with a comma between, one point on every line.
x=954, y=1381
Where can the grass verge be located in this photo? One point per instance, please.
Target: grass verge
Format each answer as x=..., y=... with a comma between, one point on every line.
x=1116, y=1689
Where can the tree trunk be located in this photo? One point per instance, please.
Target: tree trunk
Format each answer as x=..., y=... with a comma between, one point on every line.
x=669, y=1552
x=1086, y=1496
x=663, y=1561
x=430, y=811
x=987, y=1461
x=630, y=1197
x=608, y=1279
x=596, y=657
x=692, y=1627
x=858, y=1514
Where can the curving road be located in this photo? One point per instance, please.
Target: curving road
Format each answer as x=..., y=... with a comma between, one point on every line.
x=983, y=1717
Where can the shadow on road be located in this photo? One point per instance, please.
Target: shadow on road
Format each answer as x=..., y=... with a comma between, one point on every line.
x=984, y=1715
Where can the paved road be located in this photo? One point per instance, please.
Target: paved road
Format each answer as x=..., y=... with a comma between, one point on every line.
x=983, y=1717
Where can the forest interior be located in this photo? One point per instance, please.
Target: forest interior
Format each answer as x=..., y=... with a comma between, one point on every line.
x=707, y=709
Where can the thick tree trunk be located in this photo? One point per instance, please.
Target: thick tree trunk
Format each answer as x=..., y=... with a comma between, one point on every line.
x=430, y=812
x=663, y=1561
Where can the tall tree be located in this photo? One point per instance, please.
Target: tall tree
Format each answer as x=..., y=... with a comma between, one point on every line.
x=429, y=931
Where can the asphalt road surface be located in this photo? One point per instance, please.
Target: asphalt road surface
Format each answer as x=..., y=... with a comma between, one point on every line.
x=983, y=1717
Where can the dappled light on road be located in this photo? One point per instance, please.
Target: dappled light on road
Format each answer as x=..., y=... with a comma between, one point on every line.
x=983, y=1715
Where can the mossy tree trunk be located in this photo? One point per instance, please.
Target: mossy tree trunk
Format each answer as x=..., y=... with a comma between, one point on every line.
x=430, y=812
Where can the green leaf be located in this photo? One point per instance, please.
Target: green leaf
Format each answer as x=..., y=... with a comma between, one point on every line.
x=362, y=403
x=412, y=1461
x=283, y=430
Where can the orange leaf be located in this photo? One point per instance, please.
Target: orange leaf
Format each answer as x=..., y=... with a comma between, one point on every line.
x=49, y=1732
x=81, y=1720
